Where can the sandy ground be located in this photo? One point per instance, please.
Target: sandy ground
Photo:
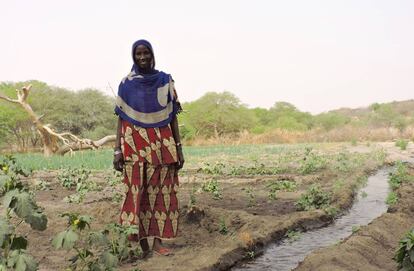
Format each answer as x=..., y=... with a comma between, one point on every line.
x=200, y=245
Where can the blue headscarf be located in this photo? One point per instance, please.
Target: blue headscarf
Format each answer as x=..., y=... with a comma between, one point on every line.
x=146, y=99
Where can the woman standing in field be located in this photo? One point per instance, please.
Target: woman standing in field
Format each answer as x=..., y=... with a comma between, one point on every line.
x=148, y=150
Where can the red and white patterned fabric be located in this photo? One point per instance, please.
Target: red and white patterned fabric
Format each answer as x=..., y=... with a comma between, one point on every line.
x=151, y=181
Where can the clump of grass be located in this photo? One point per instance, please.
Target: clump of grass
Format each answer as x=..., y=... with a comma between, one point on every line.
x=402, y=144
x=223, y=227
x=293, y=235
x=356, y=228
x=392, y=198
x=313, y=198
x=331, y=211
x=399, y=176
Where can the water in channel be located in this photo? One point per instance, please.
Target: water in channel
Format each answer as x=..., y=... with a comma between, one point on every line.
x=369, y=205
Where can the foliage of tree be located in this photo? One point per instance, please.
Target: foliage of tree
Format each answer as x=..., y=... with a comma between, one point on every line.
x=89, y=113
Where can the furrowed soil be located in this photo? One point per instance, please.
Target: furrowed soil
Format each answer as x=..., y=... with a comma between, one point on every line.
x=373, y=246
x=216, y=231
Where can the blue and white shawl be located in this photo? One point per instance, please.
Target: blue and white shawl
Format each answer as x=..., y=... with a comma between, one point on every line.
x=146, y=99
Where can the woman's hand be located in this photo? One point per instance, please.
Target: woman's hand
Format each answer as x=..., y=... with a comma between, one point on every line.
x=180, y=155
x=118, y=162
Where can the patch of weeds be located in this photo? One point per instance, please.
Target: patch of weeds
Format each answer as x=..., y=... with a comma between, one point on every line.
x=380, y=156
x=256, y=169
x=212, y=187
x=283, y=185
x=364, y=194
x=251, y=197
x=356, y=228
x=250, y=254
x=117, y=197
x=193, y=199
x=399, y=176
x=392, y=198
x=342, y=162
x=402, y=144
x=42, y=185
x=313, y=198
x=404, y=256
x=114, y=178
x=293, y=235
x=213, y=169
x=362, y=181
x=354, y=142
x=331, y=211
x=223, y=227
x=312, y=162
x=338, y=184
x=272, y=195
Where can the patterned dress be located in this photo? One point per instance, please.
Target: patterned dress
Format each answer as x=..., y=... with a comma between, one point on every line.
x=151, y=181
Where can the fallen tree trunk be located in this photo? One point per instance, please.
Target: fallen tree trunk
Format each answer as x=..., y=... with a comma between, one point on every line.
x=51, y=139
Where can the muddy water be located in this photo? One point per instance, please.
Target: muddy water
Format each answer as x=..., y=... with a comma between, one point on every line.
x=369, y=205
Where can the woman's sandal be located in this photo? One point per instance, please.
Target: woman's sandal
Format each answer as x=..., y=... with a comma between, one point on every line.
x=163, y=251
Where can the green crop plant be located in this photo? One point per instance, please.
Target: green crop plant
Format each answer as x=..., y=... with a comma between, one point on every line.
x=402, y=144
x=77, y=178
x=404, y=256
x=19, y=206
x=282, y=185
x=313, y=198
x=212, y=186
x=311, y=162
x=70, y=177
x=95, y=250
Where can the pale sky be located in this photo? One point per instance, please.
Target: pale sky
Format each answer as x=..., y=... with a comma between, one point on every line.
x=316, y=54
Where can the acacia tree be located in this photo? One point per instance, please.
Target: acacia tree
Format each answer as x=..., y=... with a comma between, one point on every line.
x=53, y=142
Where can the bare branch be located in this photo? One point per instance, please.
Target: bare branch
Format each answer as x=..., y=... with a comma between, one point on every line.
x=4, y=97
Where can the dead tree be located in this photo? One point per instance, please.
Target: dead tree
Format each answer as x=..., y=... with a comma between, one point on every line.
x=53, y=142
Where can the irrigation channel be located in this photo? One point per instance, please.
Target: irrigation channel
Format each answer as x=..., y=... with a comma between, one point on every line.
x=369, y=204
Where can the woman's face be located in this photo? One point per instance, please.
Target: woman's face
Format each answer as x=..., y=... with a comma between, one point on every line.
x=143, y=57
